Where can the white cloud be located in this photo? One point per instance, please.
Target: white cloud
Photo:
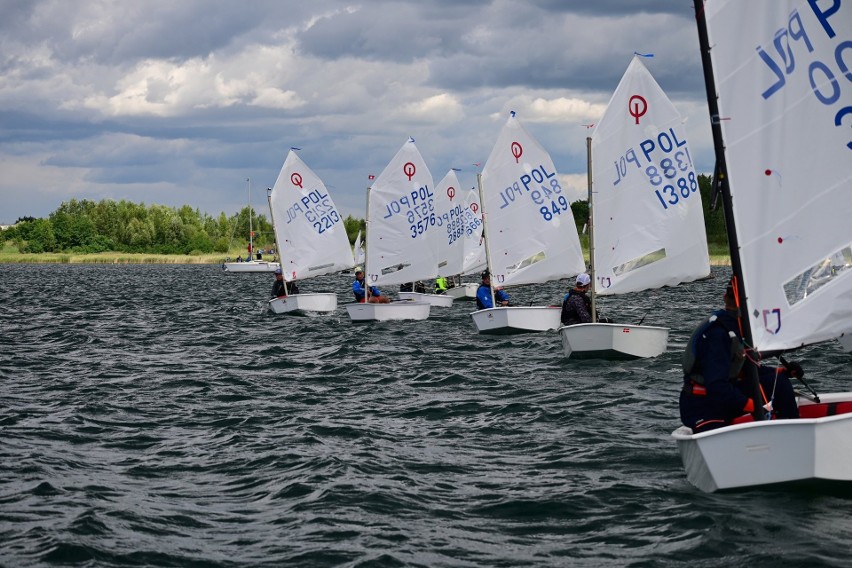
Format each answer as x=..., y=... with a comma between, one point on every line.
x=442, y=108
x=556, y=110
x=575, y=185
x=276, y=98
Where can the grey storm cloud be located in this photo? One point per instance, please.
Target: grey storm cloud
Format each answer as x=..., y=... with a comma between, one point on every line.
x=103, y=98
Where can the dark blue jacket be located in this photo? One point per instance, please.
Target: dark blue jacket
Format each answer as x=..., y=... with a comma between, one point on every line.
x=719, y=400
x=483, y=297
x=576, y=308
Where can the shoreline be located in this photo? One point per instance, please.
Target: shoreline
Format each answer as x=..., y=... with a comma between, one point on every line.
x=140, y=258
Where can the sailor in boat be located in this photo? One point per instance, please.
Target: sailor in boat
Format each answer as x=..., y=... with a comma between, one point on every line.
x=577, y=306
x=279, y=290
x=441, y=285
x=714, y=392
x=405, y=286
x=374, y=295
x=483, y=294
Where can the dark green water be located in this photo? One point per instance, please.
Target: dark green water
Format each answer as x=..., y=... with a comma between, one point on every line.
x=158, y=416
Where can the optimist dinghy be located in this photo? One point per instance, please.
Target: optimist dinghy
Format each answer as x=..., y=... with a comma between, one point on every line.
x=646, y=224
x=309, y=235
x=530, y=234
x=786, y=175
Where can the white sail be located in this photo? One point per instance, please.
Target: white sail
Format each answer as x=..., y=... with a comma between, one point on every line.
x=473, y=260
x=529, y=224
x=311, y=238
x=359, y=250
x=401, y=218
x=648, y=219
x=450, y=221
x=782, y=70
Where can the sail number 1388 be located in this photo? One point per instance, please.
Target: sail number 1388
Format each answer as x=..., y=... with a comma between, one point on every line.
x=674, y=189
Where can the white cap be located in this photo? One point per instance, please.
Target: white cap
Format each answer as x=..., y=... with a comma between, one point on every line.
x=583, y=279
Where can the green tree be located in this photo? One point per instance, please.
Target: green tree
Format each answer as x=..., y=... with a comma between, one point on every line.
x=714, y=220
x=580, y=209
x=39, y=237
x=139, y=236
x=352, y=226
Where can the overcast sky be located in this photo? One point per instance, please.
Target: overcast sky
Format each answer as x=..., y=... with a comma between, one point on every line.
x=180, y=101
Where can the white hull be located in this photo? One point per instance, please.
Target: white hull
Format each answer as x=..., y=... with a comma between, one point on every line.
x=846, y=342
x=464, y=291
x=388, y=312
x=613, y=341
x=300, y=303
x=436, y=300
x=252, y=266
x=517, y=319
x=775, y=451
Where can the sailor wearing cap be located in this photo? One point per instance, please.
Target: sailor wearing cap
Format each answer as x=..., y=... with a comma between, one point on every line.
x=281, y=289
x=577, y=306
x=483, y=294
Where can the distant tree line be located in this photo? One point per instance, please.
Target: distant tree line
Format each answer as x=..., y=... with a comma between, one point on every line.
x=84, y=226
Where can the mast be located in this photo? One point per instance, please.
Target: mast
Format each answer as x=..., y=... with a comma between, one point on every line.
x=367, y=222
x=591, y=227
x=251, y=229
x=727, y=202
x=485, y=234
x=274, y=234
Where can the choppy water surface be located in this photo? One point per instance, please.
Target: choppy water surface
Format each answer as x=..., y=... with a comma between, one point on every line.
x=158, y=415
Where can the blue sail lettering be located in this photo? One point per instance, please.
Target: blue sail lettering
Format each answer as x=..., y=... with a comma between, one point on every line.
x=677, y=143
x=619, y=171
x=823, y=16
x=832, y=80
x=780, y=82
x=508, y=195
x=838, y=119
x=780, y=42
x=292, y=211
x=538, y=175
x=315, y=196
x=798, y=32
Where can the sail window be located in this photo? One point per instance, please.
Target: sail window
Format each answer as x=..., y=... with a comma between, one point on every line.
x=325, y=266
x=395, y=268
x=802, y=285
x=639, y=262
x=529, y=261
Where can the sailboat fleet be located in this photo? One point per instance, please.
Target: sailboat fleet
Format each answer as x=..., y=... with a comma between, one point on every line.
x=788, y=223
